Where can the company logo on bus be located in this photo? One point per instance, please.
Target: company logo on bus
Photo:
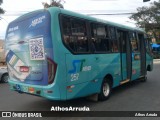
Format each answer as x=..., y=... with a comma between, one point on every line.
x=78, y=66
x=37, y=21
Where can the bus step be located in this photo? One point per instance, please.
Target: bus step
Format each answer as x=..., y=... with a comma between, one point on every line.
x=124, y=81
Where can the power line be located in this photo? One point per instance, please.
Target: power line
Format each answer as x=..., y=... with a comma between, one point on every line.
x=113, y=14
x=1, y=18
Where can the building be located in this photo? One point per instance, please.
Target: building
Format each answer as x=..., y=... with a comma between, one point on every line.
x=2, y=53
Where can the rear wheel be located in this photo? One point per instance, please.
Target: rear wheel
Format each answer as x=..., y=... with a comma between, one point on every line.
x=106, y=89
x=4, y=78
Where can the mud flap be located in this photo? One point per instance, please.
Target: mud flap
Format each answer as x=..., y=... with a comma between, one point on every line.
x=93, y=97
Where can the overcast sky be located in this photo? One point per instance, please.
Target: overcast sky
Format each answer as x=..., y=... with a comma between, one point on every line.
x=14, y=8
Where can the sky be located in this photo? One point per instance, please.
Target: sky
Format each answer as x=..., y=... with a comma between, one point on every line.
x=15, y=8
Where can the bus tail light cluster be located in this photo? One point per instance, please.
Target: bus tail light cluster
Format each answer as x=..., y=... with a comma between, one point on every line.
x=69, y=88
x=52, y=66
x=31, y=90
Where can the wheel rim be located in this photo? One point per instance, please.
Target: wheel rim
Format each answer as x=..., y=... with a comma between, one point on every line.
x=106, y=89
x=5, y=78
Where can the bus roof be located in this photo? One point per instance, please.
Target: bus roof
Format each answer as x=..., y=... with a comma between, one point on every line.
x=74, y=14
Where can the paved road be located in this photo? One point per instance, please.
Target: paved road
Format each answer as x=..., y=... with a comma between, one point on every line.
x=135, y=96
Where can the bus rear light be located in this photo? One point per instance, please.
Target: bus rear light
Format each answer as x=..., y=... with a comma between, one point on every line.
x=38, y=92
x=31, y=90
x=69, y=88
x=52, y=66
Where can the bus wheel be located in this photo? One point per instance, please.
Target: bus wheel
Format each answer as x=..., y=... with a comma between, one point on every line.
x=106, y=89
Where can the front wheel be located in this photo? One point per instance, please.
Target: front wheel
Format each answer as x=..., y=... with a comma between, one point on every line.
x=106, y=89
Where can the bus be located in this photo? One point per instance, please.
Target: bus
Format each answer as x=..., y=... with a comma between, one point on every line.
x=60, y=55
x=156, y=50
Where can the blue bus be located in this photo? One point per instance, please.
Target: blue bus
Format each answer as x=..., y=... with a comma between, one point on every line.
x=156, y=50
x=61, y=55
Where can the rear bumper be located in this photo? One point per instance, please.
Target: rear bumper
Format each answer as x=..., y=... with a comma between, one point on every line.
x=50, y=91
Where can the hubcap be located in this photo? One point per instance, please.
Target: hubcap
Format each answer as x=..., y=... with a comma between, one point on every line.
x=106, y=89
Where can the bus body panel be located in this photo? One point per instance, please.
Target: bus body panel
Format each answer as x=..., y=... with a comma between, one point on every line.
x=135, y=66
x=124, y=66
x=59, y=54
x=27, y=51
x=86, y=72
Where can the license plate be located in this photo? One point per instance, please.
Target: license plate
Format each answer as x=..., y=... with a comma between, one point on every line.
x=21, y=88
x=24, y=69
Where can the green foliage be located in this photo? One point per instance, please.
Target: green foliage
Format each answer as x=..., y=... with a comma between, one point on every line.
x=54, y=3
x=1, y=10
x=149, y=18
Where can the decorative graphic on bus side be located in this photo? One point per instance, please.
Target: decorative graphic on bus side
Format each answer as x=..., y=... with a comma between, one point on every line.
x=77, y=66
x=13, y=62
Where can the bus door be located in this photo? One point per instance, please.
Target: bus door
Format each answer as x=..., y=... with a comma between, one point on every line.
x=136, y=56
x=125, y=56
x=142, y=54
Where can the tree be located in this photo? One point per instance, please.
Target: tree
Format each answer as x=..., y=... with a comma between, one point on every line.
x=149, y=18
x=54, y=3
x=1, y=10
x=146, y=0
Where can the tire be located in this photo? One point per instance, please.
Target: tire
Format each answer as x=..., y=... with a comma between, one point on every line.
x=106, y=89
x=4, y=78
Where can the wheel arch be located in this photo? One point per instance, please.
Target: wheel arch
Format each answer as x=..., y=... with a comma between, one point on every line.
x=149, y=67
x=109, y=78
x=3, y=75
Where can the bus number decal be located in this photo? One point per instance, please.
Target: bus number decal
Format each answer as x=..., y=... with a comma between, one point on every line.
x=74, y=77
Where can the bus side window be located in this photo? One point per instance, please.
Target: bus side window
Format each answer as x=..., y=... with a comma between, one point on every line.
x=74, y=34
x=134, y=42
x=79, y=31
x=114, y=41
x=122, y=38
x=66, y=31
x=100, y=40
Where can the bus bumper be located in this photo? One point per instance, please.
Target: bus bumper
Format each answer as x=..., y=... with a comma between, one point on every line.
x=50, y=91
